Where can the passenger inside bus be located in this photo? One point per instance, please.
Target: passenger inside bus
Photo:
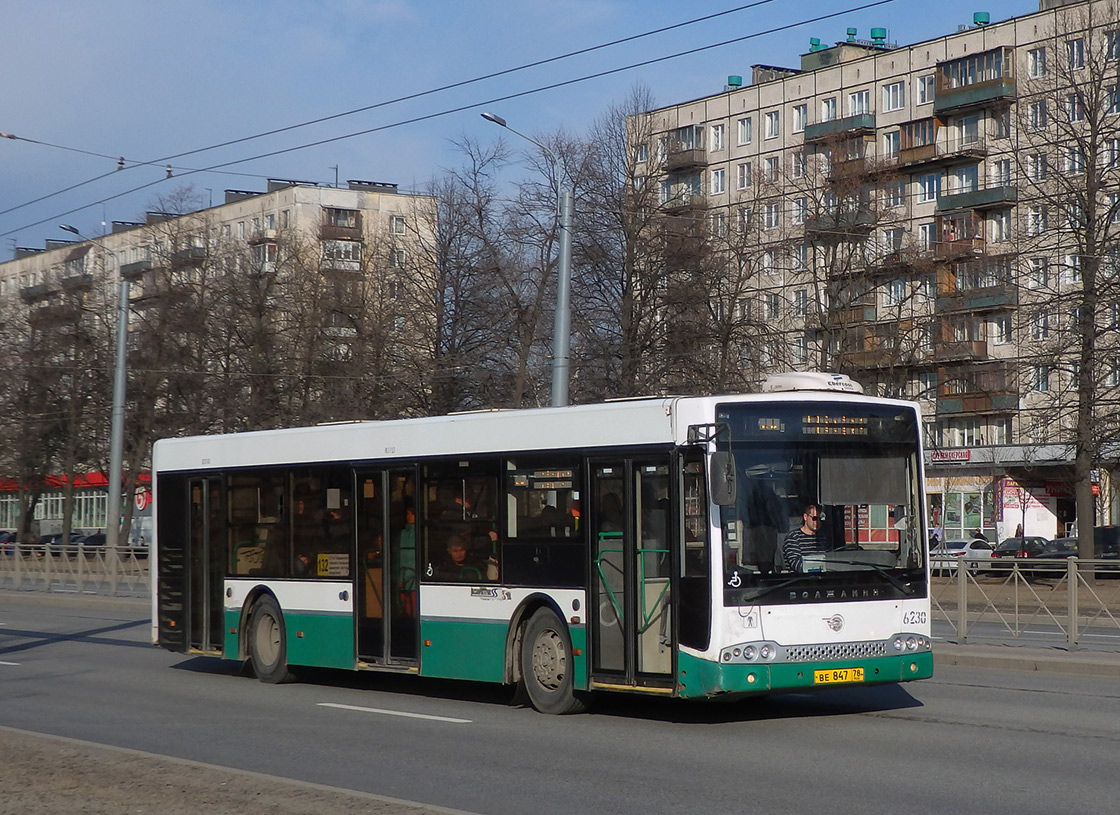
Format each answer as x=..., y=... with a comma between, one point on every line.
x=458, y=565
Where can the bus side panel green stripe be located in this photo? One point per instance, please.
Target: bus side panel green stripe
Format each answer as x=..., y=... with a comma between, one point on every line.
x=699, y=677
x=462, y=649
x=321, y=640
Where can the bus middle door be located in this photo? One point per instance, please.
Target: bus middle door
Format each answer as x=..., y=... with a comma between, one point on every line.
x=631, y=592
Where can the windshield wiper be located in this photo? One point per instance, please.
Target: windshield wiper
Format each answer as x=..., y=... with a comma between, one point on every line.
x=762, y=592
x=894, y=581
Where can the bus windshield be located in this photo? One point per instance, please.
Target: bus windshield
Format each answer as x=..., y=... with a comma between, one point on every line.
x=828, y=502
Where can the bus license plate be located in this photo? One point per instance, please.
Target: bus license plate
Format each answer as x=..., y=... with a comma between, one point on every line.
x=837, y=675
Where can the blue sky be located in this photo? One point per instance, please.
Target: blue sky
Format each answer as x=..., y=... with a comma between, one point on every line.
x=146, y=79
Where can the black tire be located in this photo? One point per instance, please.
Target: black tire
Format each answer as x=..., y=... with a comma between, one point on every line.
x=268, y=642
x=546, y=665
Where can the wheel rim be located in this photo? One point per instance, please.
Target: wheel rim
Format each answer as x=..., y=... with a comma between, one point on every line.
x=550, y=660
x=266, y=639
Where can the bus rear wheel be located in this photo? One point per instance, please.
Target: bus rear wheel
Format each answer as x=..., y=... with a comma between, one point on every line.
x=546, y=665
x=268, y=642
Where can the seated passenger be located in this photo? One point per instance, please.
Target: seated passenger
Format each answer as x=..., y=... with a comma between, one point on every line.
x=457, y=565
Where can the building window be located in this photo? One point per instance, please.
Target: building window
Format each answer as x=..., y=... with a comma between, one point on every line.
x=1001, y=172
x=801, y=302
x=797, y=164
x=770, y=169
x=746, y=130
x=743, y=175
x=926, y=85
x=744, y=217
x=717, y=224
x=1036, y=115
x=1075, y=54
x=769, y=263
x=828, y=109
x=718, y=181
x=397, y=224
x=1073, y=160
x=801, y=256
x=1036, y=62
x=1039, y=273
x=772, y=216
x=345, y=218
x=1113, y=92
x=800, y=117
x=773, y=124
x=1001, y=329
x=927, y=236
x=1074, y=215
x=1000, y=226
x=801, y=350
x=895, y=194
x=894, y=96
x=1071, y=270
x=641, y=152
x=929, y=187
x=859, y=102
x=1075, y=107
x=891, y=143
x=1036, y=166
x=1001, y=431
x=771, y=305
x=896, y=292
x=800, y=210
x=718, y=140
x=342, y=250
x=1037, y=220
x=1041, y=377
x=1040, y=325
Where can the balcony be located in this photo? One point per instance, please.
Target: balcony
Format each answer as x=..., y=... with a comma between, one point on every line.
x=262, y=236
x=131, y=271
x=849, y=125
x=850, y=315
x=960, y=351
x=685, y=158
x=191, y=256
x=980, y=402
x=336, y=232
x=958, y=249
x=867, y=358
x=978, y=95
x=849, y=168
x=840, y=225
x=995, y=196
x=988, y=298
x=684, y=202
x=942, y=154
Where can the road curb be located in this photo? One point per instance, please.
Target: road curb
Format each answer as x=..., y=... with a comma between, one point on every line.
x=1021, y=658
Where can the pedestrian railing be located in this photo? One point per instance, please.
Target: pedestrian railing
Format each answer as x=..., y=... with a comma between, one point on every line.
x=119, y=572
x=1072, y=602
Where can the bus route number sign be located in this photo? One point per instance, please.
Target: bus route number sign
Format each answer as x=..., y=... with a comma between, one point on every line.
x=837, y=675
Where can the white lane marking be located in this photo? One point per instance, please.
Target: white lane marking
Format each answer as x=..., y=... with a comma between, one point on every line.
x=395, y=713
x=9, y=663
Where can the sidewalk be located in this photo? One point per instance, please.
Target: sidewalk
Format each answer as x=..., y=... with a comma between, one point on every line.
x=1028, y=658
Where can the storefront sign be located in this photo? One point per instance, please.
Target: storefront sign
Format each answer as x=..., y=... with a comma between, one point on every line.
x=940, y=456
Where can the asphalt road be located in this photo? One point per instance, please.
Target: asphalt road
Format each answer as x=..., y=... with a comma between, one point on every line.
x=202, y=738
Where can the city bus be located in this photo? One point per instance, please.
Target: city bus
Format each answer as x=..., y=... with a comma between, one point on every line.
x=636, y=546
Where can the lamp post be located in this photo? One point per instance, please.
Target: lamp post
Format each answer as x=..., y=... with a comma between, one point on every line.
x=561, y=332
x=116, y=425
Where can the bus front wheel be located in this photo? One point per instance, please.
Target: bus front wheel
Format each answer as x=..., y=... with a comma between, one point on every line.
x=546, y=665
x=268, y=644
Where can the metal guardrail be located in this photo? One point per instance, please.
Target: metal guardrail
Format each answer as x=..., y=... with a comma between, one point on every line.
x=1074, y=602
x=123, y=572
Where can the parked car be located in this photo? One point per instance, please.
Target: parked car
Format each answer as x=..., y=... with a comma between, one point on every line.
x=96, y=539
x=1016, y=548
x=55, y=542
x=1055, y=550
x=977, y=554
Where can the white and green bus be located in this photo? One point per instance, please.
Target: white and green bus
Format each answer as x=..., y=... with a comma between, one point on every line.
x=636, y=546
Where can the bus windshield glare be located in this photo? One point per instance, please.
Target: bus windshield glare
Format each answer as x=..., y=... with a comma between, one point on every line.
x=828, y=503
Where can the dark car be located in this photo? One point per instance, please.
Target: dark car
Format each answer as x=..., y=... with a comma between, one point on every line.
x=96, y=539
x=1055, y=550
x=1016, y=548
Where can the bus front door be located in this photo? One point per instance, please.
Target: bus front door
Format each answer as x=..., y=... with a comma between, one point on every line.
x=385, y=591
x=631, y=624
x=206, y=530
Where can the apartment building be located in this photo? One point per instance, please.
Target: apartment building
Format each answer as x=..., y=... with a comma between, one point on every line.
x=940, y=221
x=298, y=303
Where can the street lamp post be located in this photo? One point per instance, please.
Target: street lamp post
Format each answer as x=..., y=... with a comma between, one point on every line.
x=561, y=332
x=116, y=425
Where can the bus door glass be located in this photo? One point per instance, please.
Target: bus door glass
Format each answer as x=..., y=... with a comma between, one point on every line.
x=631, y=616
x=207, y=563
x=386, y=591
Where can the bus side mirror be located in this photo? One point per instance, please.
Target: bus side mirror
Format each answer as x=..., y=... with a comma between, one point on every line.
x=721, y=478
